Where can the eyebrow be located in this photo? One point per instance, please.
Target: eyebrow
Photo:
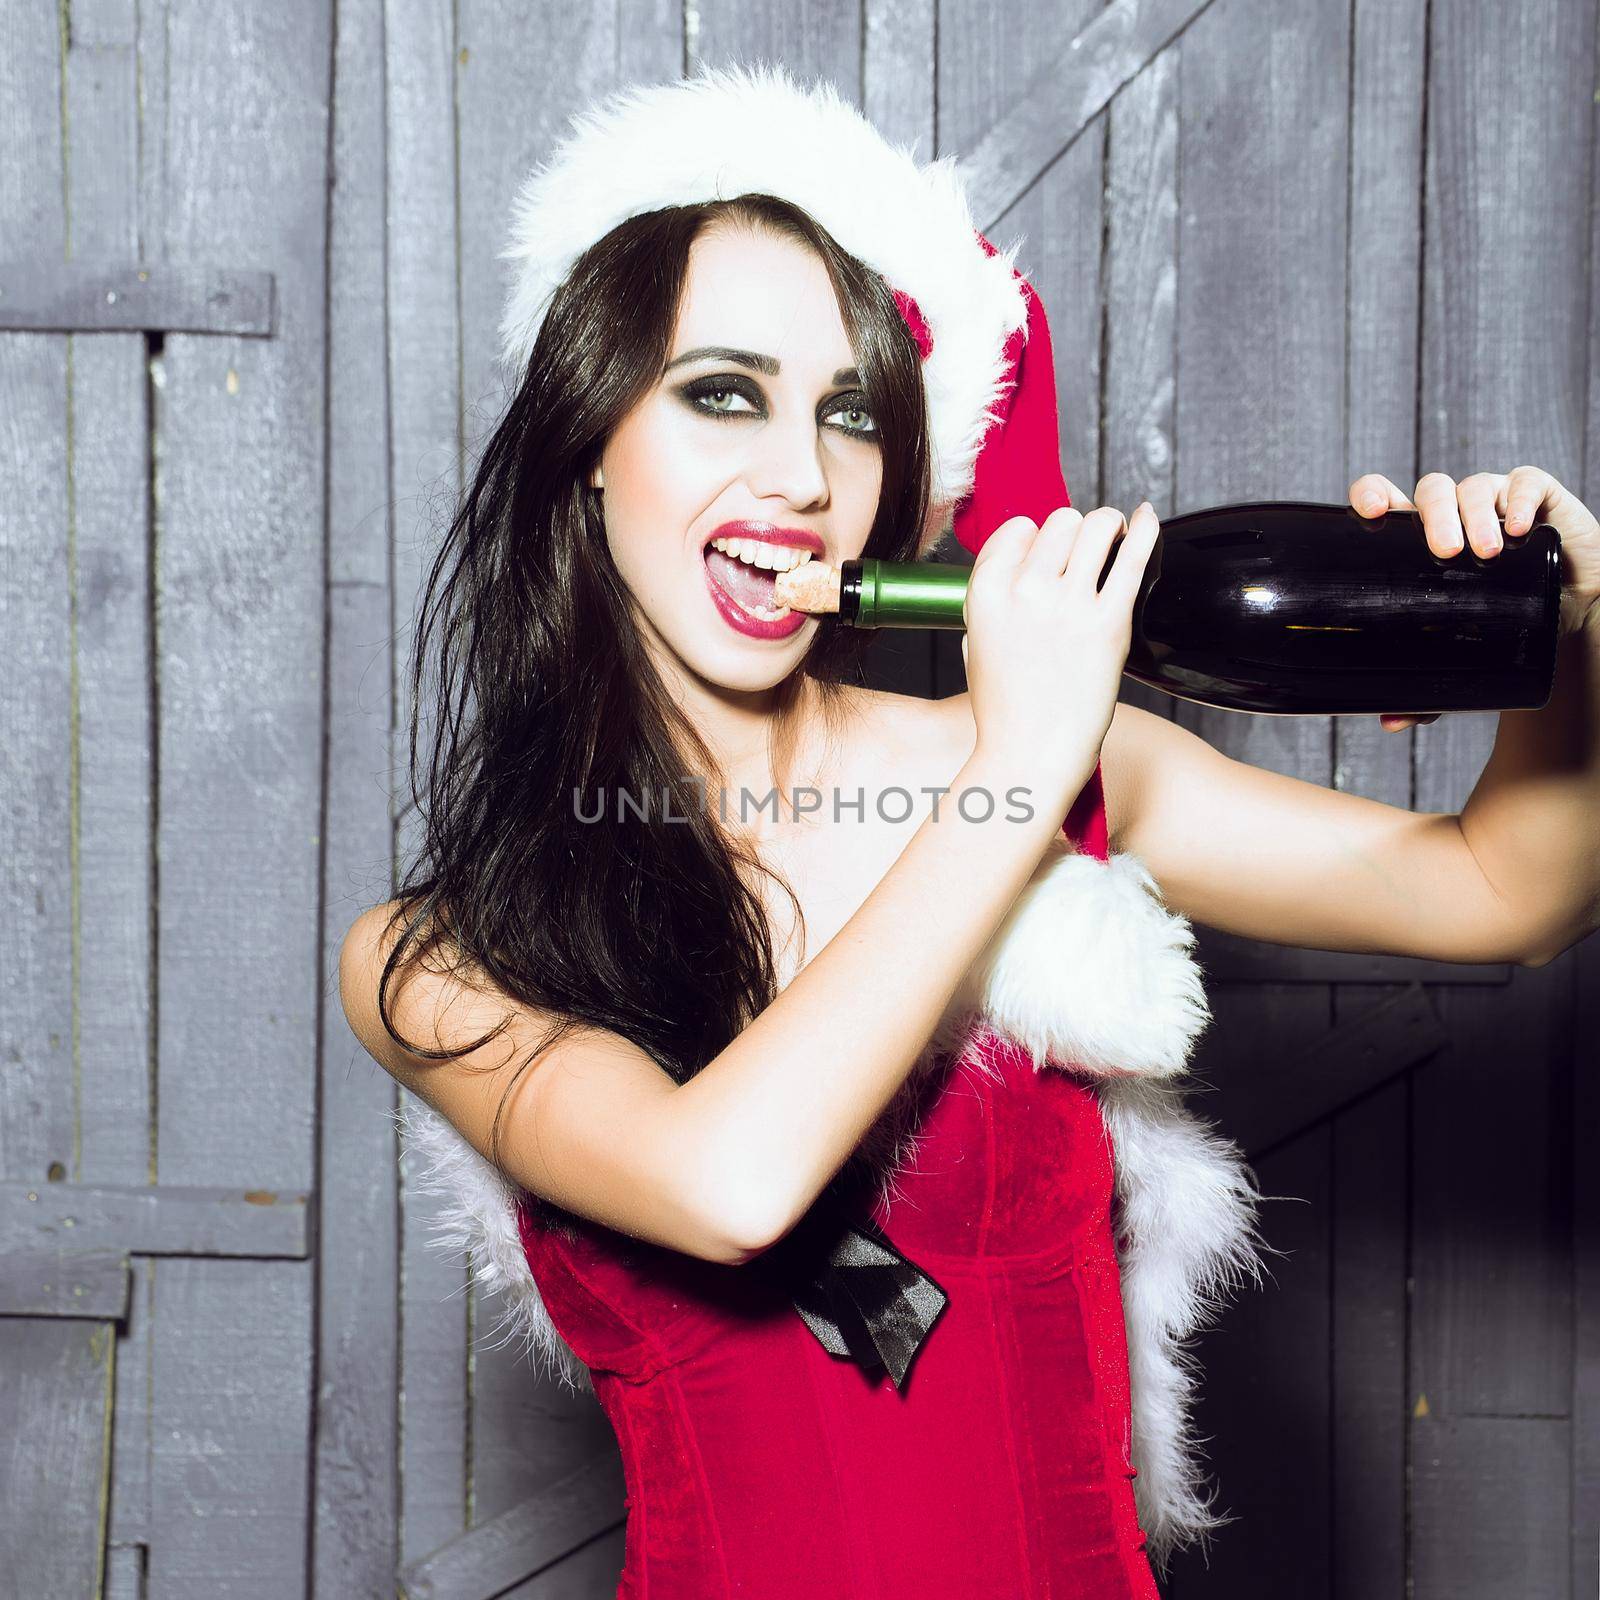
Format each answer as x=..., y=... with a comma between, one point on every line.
x=749, y=358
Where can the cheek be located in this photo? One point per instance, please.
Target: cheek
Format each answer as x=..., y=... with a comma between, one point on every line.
x=660, y=477
x=861, y=486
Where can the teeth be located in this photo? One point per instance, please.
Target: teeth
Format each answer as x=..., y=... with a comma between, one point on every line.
x=758, y=553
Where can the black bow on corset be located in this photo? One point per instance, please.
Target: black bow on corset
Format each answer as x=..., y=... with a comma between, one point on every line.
x=858, y=1294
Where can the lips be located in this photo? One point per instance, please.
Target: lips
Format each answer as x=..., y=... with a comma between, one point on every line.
x=770, y=533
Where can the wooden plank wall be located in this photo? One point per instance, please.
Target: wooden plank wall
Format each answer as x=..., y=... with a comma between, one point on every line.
x=1280, y=244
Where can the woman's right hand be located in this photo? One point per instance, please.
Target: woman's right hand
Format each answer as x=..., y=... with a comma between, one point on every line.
x=1044, y=649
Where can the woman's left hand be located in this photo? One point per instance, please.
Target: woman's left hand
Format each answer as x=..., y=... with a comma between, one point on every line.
x=1519, y=498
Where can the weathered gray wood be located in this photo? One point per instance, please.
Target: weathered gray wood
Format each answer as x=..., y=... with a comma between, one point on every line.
x=552, y=1523
x=1315, y=1080
x=57, y=1432
x=424, y=343
x=152, y=1220
x=1061, y=99
x=1370, y=1215
x=1141, y=298
x=1263, y=170
x=1492, y=1324
x=355, y=1480
x=240, y=551
x=1497, y=1492
x=124, y=1571
x=37, y=1133
x=98, y=24
x=45, y=1282
x=820, y=40
x=111, y=583
x=1263, y=1406
x=230, y=1389
x=113, y=591
x=57, y=1372
x=1492, y=1314
x=107, y=296
x=1368, y=1402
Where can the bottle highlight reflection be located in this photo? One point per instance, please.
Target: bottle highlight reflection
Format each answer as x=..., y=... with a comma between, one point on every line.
x=1300, y=608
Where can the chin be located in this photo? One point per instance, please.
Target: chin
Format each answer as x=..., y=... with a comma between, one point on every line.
x=716, y=653
x=752, y=669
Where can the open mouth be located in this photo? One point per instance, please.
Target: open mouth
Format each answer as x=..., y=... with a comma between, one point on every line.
x=746, y=569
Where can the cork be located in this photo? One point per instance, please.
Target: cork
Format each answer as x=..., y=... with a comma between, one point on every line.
x=812, y=586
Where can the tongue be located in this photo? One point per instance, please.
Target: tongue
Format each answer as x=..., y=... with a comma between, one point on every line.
x=750, y=586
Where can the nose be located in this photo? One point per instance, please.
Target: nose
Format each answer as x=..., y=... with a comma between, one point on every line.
x=789, y=463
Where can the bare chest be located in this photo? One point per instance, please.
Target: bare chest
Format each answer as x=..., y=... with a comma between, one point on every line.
x=870, y=809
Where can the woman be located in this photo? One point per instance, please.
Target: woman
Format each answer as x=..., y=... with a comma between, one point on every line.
x=707, y=1020
x=610, y=1005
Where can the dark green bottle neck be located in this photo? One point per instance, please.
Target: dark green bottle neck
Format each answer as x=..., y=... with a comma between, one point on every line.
x=903, y=594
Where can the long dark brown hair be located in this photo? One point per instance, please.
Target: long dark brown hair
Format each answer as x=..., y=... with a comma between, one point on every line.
x=544, y=689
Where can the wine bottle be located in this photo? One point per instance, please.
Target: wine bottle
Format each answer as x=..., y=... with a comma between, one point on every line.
x=1300, y=608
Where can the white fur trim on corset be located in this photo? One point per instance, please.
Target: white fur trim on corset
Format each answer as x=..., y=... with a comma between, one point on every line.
x=1089, y=967
x=752, y=128
x=1186, y=1238
x=1090, y=973
x=476, y=1213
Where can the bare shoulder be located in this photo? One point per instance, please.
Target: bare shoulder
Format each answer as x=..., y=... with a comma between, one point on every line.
x=1132, y=749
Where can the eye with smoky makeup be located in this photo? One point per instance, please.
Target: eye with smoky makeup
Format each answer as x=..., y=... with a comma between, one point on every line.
x=696, y=395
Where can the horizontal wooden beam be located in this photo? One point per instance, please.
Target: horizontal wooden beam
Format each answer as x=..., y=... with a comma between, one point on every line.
x=488, y=1559
x=1343, y=1064
x=38, y=296
x=155, y=1220
x=65, y=1283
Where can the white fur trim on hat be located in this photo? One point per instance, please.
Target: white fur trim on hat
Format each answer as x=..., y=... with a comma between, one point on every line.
x=742, y=129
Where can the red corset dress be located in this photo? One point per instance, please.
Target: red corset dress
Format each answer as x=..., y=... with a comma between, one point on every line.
x=1044, y=1171
x=759, y=1465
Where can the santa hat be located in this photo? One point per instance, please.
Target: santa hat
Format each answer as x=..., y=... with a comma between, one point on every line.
x=987, y=367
